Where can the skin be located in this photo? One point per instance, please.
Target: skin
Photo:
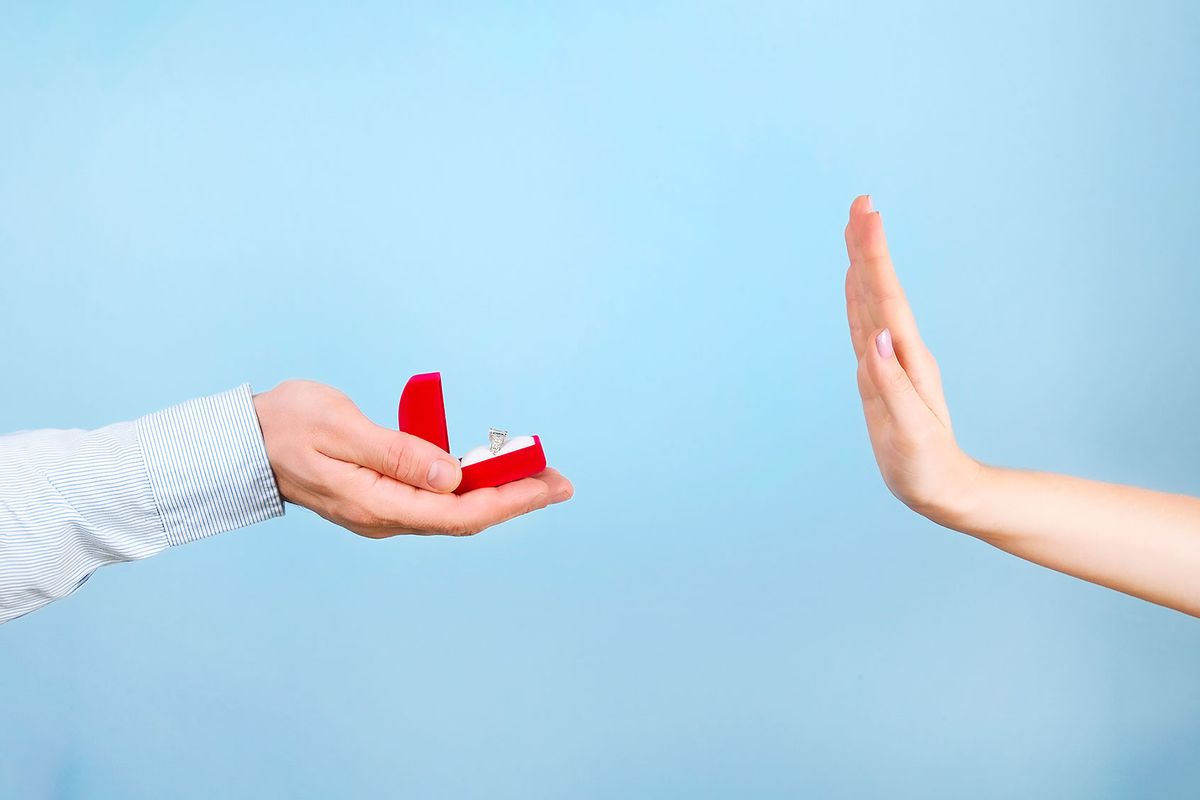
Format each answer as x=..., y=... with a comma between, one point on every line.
x=1137, y=541
x=328, y=457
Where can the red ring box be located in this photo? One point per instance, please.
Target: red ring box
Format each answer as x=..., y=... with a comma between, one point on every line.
x=422, y=413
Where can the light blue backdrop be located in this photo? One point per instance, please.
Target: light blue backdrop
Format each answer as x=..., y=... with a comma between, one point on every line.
x=653, y=195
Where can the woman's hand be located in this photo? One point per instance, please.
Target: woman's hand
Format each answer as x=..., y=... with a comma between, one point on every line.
x=375, y=481
x=1133, y=540
x=899, y=381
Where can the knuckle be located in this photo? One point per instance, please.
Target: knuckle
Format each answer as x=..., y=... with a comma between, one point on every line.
x=539, y=502
x=400, y=461
x=898, y=380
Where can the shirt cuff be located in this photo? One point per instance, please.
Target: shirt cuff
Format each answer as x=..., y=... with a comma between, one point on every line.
x=208, y=466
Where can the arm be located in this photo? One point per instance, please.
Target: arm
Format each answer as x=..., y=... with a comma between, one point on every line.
x=1137, y=541
x=74, y=501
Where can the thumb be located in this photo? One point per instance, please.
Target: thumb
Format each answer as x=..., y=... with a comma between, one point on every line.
x=407, y=458
x=892, y=382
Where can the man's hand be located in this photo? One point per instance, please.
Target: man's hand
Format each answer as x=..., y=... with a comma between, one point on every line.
x=899, y=381
x=378, y=482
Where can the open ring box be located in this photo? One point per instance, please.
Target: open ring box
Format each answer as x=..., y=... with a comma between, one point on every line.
x=423, y=413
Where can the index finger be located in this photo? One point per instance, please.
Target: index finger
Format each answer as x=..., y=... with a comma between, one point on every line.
x=880, y=286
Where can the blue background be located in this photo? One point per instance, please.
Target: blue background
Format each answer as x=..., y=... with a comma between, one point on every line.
x=653, y=195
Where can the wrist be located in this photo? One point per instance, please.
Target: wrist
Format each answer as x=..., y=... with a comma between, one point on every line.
x=960, y=505
x=207, y=463
x=268, y=412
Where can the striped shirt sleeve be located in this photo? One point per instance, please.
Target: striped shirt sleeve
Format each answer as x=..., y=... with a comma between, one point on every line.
x=72, y=501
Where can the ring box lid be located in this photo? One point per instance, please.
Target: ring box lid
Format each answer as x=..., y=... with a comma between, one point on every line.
x=422, y=409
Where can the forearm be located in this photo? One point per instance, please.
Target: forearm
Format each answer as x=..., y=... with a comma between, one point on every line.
x=1137, y=541
x=72, y=501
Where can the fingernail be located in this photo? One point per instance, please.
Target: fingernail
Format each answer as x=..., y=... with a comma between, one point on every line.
x=883, y=343
x=442, y=475
x=870, y=205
